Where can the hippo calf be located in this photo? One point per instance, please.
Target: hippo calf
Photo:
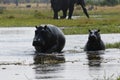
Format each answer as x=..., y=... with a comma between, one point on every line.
x=94, y=42
x=48, y=39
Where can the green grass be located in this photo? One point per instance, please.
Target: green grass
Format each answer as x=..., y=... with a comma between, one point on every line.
x=113, y=45
x=118, y=78
x=107, y=20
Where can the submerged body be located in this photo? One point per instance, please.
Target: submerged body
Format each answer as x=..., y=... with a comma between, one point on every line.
x=94, y=42
x=48, y=39
x=65, y=5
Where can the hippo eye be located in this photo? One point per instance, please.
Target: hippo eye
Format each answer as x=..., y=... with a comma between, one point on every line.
x=96, y=33
x=90, y=32
x=43, y=32
x=48, y=34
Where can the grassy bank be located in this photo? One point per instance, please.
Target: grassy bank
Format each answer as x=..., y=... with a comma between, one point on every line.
x=113, y=45
x=104, y=18
x=118, y=78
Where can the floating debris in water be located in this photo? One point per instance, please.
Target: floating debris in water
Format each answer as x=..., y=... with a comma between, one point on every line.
x=10, y=63
x=3, y=68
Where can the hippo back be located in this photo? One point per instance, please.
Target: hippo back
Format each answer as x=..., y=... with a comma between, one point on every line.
x=58, y=5
x=59, y=36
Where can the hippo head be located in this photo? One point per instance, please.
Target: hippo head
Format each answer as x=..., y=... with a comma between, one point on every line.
x=94, y=35
x=42, y=35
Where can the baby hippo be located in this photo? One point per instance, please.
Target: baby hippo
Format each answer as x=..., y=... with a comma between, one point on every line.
x=48, y=39
x=94, y=42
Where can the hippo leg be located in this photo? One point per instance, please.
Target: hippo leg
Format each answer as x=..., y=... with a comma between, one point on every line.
x=54, y=48
x=71, y=9
x=55, y=14
x=85, y=11
x=64, y=14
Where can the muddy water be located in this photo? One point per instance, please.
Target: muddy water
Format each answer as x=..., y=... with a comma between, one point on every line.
x=17, y=58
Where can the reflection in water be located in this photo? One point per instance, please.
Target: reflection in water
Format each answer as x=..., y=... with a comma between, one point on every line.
x=95, y=58
x=48, y=58
x=46, y=65
x=48, y=71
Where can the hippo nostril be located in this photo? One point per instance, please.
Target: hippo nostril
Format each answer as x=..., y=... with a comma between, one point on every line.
x=92, y=37
x=34, y=43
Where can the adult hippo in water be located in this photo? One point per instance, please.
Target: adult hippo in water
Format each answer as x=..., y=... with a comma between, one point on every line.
x=48, y=39
x=94, y=42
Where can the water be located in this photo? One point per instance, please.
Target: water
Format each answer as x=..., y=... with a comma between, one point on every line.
x=17, y=58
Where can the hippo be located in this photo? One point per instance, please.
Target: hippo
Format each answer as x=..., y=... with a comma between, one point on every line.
x=48, y=39
x=94, y=42
x=65, y=5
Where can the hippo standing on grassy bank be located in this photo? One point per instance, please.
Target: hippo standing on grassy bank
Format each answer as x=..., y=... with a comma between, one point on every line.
x=48, y=39
x=65, y=5
x=94, y=42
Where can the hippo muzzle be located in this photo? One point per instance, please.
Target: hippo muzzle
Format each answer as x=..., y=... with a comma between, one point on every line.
x=38, y=42
x=92, y=37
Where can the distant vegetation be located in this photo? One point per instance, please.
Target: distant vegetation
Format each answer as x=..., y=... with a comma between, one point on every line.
x=18, y=13
x=103, y=2
x=104, y=18
x=91, y=2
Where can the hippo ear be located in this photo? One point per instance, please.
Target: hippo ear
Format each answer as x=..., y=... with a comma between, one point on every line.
x=36, y=27
x=89, y=30
x=98, y=30
x=45, y=27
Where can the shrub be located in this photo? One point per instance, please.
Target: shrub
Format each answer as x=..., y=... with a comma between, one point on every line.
x=2, y=10
x=110, y=2
x=11, y=17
